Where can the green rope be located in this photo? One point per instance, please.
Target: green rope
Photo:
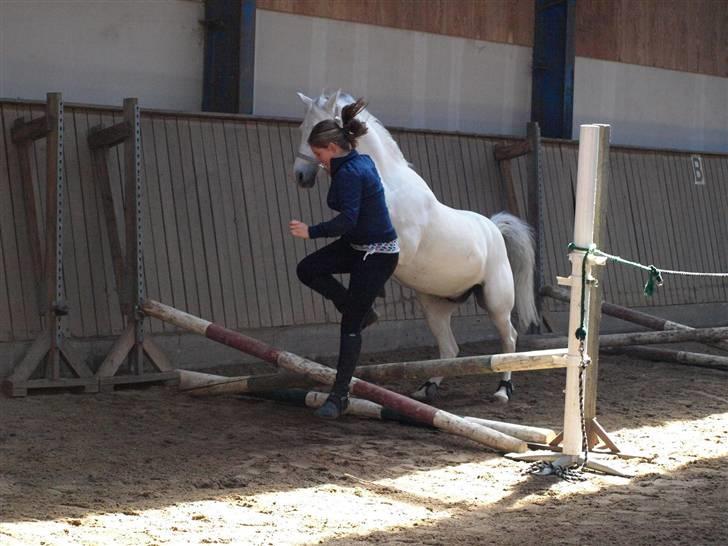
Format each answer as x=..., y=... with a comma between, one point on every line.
x=581, y=330
x=654, y=275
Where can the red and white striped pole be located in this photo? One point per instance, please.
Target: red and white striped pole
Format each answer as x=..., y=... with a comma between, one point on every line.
x=417, y=411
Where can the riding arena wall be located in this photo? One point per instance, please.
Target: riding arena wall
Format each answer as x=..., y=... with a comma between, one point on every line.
x=218, y=196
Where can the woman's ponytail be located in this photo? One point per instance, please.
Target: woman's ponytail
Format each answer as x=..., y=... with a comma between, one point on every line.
x=346, y=134
x=352, y=126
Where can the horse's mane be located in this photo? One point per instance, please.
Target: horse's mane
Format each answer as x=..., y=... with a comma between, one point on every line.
x=372, y=123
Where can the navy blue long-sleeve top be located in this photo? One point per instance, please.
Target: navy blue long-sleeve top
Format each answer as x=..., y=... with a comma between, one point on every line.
x=357, y=194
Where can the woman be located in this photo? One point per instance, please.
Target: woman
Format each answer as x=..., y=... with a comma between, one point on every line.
x=367, y=246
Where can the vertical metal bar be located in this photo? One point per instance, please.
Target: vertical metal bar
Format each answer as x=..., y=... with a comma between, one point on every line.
x=54, y=230
x=134, y=232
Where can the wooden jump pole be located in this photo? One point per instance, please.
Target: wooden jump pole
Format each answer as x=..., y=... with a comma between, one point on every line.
x=201, y=384
x=684, y=358
x=411, y=408
x=630, y=315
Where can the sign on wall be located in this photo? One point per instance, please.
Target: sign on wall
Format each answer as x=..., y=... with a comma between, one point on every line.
x=698, y=172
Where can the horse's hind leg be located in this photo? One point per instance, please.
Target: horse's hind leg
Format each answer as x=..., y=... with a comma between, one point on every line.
x=498, y=300
x=438, y=312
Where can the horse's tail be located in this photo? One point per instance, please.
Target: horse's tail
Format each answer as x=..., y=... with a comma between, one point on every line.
x=520, y=246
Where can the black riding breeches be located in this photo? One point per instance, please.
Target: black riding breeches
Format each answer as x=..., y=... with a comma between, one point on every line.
x=366, y=279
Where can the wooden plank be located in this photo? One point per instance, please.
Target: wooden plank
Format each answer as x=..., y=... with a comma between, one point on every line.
x=182, y=185
x=634, y=298
x=35, y=353
x=113, y=302
x=615, y=225
x=24, y=130
x=245, y=288
x=711, y=247
x=99, y=159
x=117, y=354
x=253, y=224
x=112, y=135
x=300, y=293
x=277, y=265
x=673, y=187
x=168, y=206
x=510, y=150
x=219, y=224
x=231, y=187
x=156, y=356
x=554, y=208
x=81, y=183
x=271, y=239
x=716, y=170
x=204, y=208
x=314, y=308
x=15, y=243
x=165, y=131
x=281, y=182
x=506, y=22
x=655, y=218
x=156, y=268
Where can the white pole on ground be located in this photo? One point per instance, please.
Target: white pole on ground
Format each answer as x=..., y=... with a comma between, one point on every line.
x=586, y=186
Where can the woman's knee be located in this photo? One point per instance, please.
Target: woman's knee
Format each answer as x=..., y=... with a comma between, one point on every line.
x=305, y=270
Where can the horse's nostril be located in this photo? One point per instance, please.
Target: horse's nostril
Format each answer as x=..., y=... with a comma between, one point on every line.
x=299, y=177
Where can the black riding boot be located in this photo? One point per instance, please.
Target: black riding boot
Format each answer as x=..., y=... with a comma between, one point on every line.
x=338, y=400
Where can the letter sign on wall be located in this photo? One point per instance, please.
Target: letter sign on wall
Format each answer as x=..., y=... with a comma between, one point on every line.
x=698, y=171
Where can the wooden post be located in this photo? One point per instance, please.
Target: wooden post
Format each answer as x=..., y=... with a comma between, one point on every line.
x=535, y=206
x=411, y=408
x=49, y=348
x=128, y=261
x=596, y=292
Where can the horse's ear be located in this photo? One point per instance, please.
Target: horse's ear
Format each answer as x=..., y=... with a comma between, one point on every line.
x=304, y=99
x=330, y=106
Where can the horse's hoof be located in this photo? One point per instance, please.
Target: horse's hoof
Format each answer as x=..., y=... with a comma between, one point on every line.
x=504, y=392
x=428, y=392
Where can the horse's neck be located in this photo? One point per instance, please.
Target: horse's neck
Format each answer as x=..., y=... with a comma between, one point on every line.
x=391, y=164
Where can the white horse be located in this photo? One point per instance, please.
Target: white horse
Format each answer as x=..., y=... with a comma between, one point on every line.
x=445, y=254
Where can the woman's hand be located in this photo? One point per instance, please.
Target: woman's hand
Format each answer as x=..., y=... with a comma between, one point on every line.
x=298, y=229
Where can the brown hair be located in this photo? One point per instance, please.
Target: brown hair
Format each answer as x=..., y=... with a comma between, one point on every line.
x=344, y=135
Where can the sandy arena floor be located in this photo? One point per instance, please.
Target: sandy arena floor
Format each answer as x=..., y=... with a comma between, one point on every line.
x=150, y=466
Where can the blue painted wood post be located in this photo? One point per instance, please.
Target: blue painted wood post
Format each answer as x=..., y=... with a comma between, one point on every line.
x=229, y=56
x=552, y=93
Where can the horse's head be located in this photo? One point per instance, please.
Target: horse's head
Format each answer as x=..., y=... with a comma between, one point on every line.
x=306, y=166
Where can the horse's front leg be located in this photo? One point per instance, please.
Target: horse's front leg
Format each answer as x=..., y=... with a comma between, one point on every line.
x=438, y=312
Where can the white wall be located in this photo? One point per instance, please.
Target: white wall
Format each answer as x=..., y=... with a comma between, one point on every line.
x=652, y=107
x=99, y=52
x=411, y=79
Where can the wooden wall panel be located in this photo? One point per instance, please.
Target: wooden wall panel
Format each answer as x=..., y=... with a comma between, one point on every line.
x=672, y=34
x=504, y=21
x=219, y=196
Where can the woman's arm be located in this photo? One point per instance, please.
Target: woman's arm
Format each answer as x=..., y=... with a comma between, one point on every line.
x=348, y=190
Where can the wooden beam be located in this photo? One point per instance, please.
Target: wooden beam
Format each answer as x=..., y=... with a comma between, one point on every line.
x=26, y=131
x=512, y=150
x=107, y=137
